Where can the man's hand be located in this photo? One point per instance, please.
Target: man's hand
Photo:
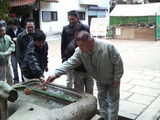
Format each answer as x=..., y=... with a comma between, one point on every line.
x=46, y=69
x=116, y=83
x=42, y=80
x=8, y=53
x=15, y=39
x=42, y=84
x=51, y=78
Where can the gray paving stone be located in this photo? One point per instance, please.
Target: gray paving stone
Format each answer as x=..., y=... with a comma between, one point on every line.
x=139, y=76
x=152, y=112
x=157, y=79
x=130, y=110
x=150, y=84
x=126, y=79
x=133, y=71
x=145, y=91
x=154, y=73
x=125, y=94
x=125, y=86
x=141, y=99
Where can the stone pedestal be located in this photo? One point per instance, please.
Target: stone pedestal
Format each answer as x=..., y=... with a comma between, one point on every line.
x=3, y=109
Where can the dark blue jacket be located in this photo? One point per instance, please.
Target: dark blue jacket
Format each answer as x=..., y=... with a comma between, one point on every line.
x=10, y=32
x=35, y=61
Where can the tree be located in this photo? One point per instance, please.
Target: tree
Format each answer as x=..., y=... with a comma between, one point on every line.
x=4, y=9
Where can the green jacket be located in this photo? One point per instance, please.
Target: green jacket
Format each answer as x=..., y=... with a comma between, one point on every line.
x=6, y=47
x=104, y=63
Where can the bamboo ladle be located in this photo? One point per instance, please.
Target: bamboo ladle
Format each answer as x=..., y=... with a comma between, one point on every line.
x=28, y=91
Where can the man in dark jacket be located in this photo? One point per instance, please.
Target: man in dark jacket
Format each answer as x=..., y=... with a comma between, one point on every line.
x=23, y=40
x=35, y=61
x=67, y=49
x=69, y=31
x=13, y=31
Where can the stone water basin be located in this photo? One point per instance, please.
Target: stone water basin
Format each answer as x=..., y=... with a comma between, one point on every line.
x=55, y=103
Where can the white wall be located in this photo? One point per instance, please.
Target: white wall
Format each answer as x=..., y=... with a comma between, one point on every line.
x=62, y=8
x=104, y=3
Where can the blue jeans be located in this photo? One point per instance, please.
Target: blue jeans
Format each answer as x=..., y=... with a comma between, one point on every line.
x=108, y=96
x=15, y=68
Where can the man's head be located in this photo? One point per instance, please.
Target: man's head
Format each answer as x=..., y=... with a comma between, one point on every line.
x=13, y=23
x=29, y=25
x=73, y=17
x=84, y=41
x=39, y=37
x=2, y=30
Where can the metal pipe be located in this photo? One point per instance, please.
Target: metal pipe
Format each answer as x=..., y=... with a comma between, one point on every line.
x=6, y=93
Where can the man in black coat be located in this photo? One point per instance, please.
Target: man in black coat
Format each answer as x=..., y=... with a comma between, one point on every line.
x=69, y=31
x=79, y=76
x=13, y=31
x=23, y=40
x=36, y=59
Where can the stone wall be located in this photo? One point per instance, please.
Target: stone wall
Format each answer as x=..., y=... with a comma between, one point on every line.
x=133, y=33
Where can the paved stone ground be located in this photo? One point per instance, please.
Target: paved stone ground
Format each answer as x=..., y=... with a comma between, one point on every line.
x=140, y=88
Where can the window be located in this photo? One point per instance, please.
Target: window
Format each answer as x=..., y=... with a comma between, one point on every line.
x=54, y=16
x=48, y=16
x=81, y=15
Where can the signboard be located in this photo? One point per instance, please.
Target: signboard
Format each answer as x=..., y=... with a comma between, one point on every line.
x=99, y=26
x=118, y=31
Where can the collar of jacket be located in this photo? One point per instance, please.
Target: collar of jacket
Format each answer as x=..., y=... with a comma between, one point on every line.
x=95, y=46
x=2, y=38
x=24, y=33
x=78, y=24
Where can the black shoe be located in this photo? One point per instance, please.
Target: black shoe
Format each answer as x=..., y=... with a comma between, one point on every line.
x=101, y=118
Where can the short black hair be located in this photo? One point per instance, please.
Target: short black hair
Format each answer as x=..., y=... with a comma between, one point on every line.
x=73, y=13
x=28, y=20
x=39, y=35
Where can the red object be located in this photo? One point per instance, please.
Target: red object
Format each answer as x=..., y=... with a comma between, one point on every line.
x=13, y=15
x=15, y=3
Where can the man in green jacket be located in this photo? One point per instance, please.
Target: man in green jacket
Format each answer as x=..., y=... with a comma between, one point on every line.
x=6, y=48
x=103, y=62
